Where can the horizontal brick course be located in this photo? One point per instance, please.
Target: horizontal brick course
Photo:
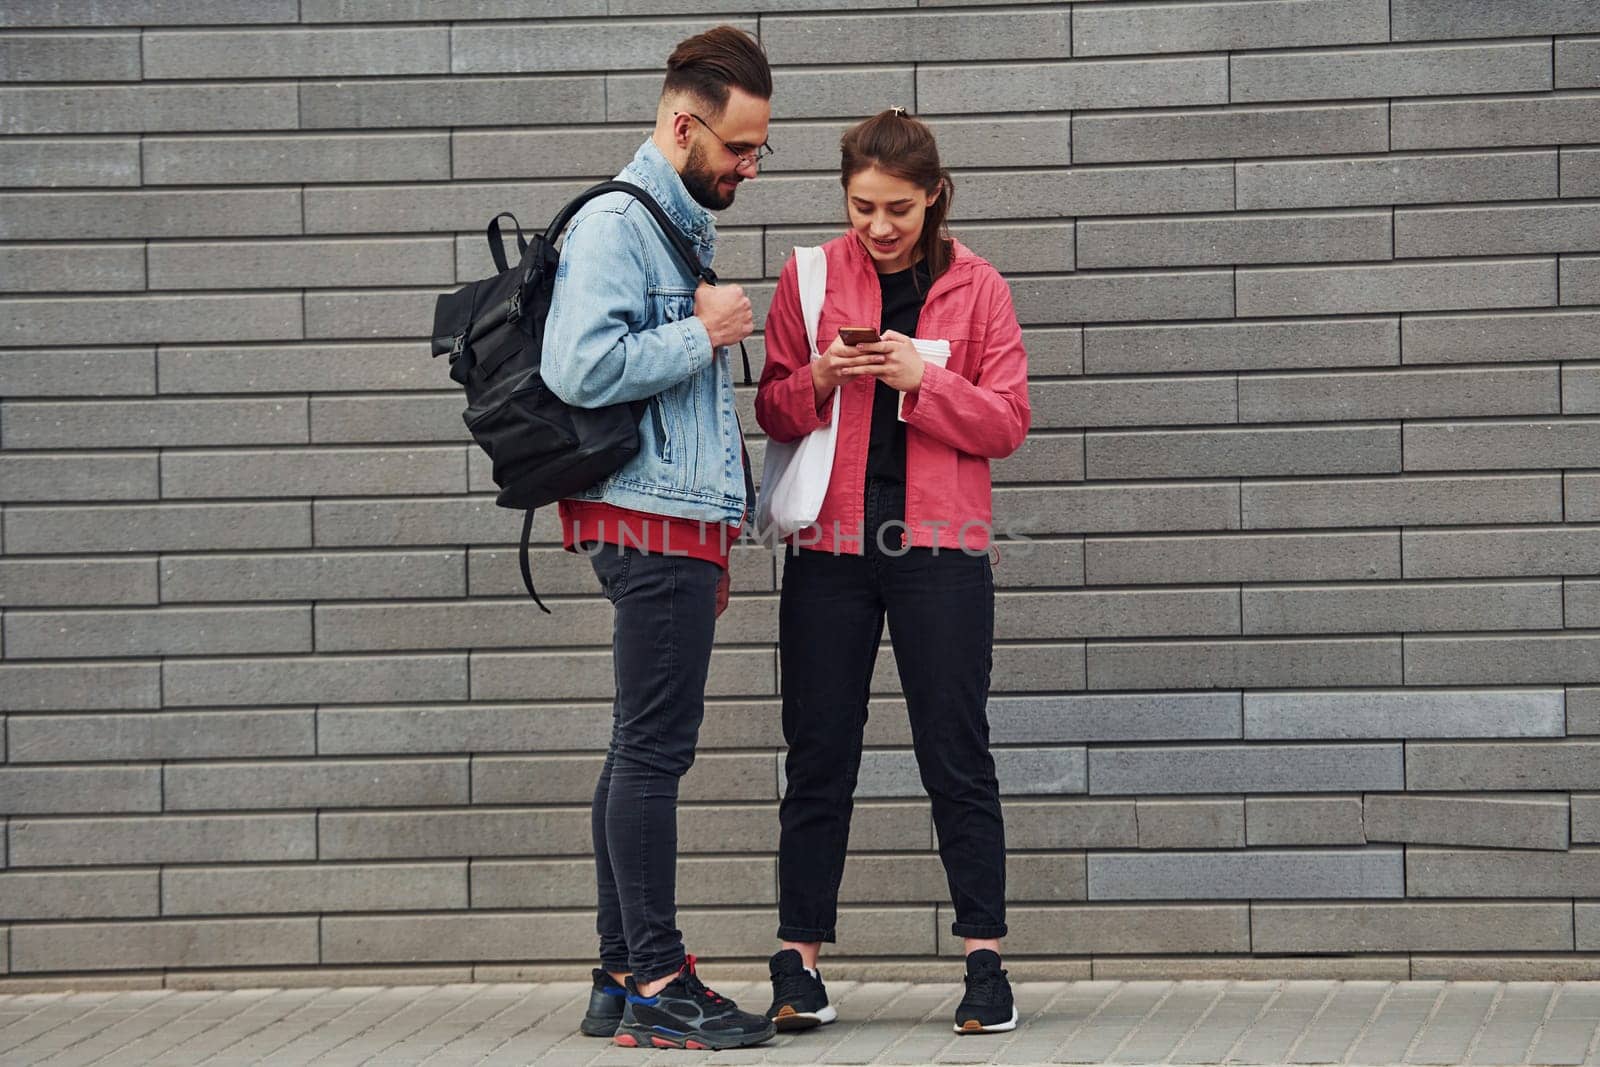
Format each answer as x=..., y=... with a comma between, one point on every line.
x=1254, y=874
x=1442, y=872
x=1397, y=178
x=1565, y=764
x=1076, y=85
x=1303, y=821
x=1527, y=821
x=1367, y=713
x=1120, y=28
x=1252, y=768
x=1428, y=70
x=1385, y=927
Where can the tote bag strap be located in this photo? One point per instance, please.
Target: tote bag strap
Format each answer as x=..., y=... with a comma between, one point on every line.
x=811, y=267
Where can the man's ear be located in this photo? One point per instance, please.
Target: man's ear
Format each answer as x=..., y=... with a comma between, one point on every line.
x=682, y=128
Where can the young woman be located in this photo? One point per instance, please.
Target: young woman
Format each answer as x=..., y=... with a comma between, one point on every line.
x=903, y=533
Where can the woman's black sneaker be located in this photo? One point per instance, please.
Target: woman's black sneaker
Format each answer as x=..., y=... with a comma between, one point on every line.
x=987, y=1008
x=799, y=999
x=686, y=1014
x=605, y=1006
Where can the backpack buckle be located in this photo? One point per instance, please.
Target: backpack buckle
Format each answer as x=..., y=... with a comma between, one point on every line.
x=458, y=345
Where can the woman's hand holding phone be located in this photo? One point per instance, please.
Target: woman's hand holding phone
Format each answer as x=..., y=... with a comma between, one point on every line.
x=898, y=365
x=837, y=365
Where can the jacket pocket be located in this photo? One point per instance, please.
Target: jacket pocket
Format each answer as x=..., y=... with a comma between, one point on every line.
x=965, y=351
x=671, y=303
x=663, y=434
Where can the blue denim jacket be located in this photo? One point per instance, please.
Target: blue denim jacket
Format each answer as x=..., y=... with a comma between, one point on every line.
x=622, y=327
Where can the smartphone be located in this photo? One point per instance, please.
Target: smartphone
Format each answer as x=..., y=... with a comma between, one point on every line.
x=858, y=335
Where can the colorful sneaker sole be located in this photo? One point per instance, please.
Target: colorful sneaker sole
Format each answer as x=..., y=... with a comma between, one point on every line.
x=788, y=1019
x=973, y=1026
x=641, y=1037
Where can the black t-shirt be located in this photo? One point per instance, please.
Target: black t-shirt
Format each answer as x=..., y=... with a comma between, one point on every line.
x=903, y=294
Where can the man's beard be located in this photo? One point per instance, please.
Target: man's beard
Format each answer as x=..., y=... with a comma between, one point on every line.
x=702, y=183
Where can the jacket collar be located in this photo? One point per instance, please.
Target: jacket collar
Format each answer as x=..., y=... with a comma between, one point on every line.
x=651, y=171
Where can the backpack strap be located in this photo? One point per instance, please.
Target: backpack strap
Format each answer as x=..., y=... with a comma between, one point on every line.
x=669, y=229
x=522, y=558
x=497, y=247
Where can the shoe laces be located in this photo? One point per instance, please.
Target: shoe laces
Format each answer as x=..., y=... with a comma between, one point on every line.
x=986, y=986
x=787, y=986
x=698, y=989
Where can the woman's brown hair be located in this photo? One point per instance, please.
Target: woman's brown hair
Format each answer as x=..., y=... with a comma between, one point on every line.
x=898, y=144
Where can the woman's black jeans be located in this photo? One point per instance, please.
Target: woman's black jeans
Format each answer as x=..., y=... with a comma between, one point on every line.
x=666, y=612
x=940, y=607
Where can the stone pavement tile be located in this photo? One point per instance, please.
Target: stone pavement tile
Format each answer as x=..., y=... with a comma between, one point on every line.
x=269, y=1042
x=544, y=1018
x=1122, y=1012
x=856, y=1003
x=1054, y=1024
x=456, y=1025
x=425, y=1006
x=333, y=1024
x=1514, y=1023
x=1568, y=1034
x=1577, y=1000
x=1398, y=1022
x=1228, y=1021
x=232, y=1038
x=925, y=1018
x=71, y=1028
x=1449, y=1033
x=143, y=1037
x=1159, y=1034
x=1335, y=1028
x=1564, y=1041
x=1278, y=1029
x=43, y=1012
x=351, y=1029
x=498, y=1039
x=865, y=1029
x=136, y=1018
x=224, y=1029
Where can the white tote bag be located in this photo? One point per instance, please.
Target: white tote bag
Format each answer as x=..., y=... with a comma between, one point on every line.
x=794, y=477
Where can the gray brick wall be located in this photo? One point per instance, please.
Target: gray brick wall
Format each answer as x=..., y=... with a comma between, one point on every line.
x=1299, y=661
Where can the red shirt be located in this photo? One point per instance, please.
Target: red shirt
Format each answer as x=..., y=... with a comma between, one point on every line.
x=593, y=522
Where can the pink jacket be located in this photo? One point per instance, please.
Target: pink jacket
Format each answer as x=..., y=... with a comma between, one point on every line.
x=962, y=416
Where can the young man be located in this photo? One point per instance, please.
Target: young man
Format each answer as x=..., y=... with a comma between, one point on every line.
x=628, y=322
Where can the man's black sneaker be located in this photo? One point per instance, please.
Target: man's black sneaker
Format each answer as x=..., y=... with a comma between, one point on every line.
x=605, y=1006
x=987, y=1008
x=799, y=999
x=686, y=1014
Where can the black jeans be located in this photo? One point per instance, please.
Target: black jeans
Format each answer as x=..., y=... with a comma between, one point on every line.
x=665, y=617
x=940, y=607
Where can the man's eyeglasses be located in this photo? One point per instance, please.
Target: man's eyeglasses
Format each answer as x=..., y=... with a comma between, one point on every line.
x=744, y=153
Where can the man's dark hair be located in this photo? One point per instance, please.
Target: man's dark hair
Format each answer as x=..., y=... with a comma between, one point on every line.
x=707, y=65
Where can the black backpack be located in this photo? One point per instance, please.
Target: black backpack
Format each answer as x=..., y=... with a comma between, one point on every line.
x=543, y=448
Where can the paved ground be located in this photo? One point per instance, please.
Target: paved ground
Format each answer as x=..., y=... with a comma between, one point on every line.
x=880, y=1022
